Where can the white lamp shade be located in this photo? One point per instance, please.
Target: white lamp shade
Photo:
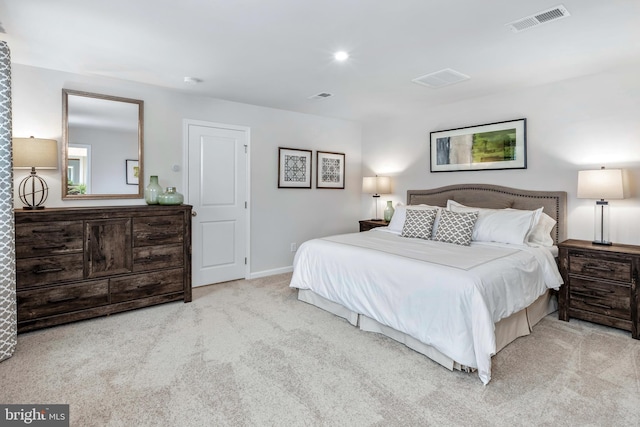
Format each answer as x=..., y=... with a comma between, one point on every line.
x=600, y=184
x=376, y=185
x=35, y=152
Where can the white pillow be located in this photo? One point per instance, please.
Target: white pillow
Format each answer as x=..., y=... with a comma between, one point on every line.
x=400, y=215
x=540, y=234
x=500, y=225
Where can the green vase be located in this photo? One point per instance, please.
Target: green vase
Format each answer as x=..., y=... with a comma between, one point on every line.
x=152, y=191
x=388, y=211
x=170, y=197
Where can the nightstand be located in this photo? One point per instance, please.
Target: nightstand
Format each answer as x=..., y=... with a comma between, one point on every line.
x=368, y=224
x=600, y=284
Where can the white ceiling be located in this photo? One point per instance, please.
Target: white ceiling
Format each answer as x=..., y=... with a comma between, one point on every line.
x=278, y=53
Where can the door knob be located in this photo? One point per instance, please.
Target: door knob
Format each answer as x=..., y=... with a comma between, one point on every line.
x=194, y=213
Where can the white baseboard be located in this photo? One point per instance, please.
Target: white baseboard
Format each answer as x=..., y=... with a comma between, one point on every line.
x=273, y=272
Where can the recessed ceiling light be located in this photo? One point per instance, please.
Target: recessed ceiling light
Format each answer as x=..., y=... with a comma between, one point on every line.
x=192, y=80
x=341, y=56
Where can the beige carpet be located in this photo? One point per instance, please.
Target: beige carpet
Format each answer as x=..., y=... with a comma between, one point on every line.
x=247, y=353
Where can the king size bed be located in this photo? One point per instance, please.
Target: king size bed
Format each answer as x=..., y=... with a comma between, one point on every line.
x=460, y=272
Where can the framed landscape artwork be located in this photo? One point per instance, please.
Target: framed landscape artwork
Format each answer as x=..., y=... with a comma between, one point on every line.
x=501, y=145
x=329, y=170
x=294, y=168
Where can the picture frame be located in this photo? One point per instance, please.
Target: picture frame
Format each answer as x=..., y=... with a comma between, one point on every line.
x=494, y=146
x=330, y=169
x=133, y=170
x=294, y=168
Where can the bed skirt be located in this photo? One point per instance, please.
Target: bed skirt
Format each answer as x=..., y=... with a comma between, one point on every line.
x=506, y=330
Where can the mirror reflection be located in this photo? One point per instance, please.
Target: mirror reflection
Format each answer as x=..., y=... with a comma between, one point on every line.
x=102, y=146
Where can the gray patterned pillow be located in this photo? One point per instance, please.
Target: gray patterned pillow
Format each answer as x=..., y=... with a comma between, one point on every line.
x=456, y=227
x=419, y=223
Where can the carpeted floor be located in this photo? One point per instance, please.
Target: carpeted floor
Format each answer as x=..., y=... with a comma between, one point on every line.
x=247, y=353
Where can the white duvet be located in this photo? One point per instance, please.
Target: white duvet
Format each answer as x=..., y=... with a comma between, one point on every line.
x=406, y=284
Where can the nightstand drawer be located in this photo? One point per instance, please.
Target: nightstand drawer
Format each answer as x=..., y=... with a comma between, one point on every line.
x=604, y=298
x=593, y=266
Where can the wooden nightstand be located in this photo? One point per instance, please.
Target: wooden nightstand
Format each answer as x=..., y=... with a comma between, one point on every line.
x=368, y=224
x=600, y=284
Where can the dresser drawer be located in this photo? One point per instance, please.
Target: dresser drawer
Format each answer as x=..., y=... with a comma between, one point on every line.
x=44, y=302
x=145, y=285
x=606, y=268
x=603, y=298
x=52, y=238
x=32, y=272
x=155, y=257
x=156, y=230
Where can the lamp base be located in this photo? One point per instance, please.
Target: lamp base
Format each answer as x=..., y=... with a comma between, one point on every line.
x=33, y=208
x=33, y=191
x=601, y=243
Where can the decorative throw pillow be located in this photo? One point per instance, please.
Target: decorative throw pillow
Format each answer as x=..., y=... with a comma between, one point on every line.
x=399, y=216
x=419, y=223
x=456, y=227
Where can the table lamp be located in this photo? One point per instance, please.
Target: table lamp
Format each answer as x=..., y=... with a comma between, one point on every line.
x=376, y=185
x=601, y=184
x=32, y=153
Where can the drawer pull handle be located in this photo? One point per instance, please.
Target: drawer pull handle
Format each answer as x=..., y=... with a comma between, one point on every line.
x=57, y=301
x=597, y=267
x=161, y=236
x=38, y=248
x=601, y=291
x=595, y=304
x=155, y=258
x=157, y=224
x=47, y=270
x=148, y=285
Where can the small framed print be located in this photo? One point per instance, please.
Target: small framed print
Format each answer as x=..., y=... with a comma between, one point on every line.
x=133, y=172
x=294, y=168
x=329, y=170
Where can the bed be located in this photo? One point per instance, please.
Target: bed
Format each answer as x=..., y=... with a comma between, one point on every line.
x=457, y=304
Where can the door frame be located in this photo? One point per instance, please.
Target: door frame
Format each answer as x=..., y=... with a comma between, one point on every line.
x=185, y=176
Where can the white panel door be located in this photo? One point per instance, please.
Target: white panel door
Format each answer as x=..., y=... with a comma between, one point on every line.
x=217, y=190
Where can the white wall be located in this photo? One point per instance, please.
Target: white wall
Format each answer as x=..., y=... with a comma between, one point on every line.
x=279, y=217
x=573, y=125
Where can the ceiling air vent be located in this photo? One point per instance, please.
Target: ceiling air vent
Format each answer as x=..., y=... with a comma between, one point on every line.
x=320, y=95
x=539, y=18
x=441, y=78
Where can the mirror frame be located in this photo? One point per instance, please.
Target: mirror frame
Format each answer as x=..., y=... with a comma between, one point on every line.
x=65, y=146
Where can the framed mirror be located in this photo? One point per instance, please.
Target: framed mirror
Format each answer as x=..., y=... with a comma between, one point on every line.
x=102, y=146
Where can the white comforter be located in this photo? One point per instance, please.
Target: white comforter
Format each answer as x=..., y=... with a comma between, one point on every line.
x=451, y=306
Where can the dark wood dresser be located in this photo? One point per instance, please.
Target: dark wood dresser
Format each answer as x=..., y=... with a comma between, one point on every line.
x=600, y=284
x=78, y=263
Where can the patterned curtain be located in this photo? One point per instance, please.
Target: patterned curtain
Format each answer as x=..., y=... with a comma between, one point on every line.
x=7, y=230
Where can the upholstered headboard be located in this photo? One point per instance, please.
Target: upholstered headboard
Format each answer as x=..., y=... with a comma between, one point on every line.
x=554, y=203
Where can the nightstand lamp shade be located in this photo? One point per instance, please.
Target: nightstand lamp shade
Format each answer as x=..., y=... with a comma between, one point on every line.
x=376, y=185
x=32, y=153
x=601, y=184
